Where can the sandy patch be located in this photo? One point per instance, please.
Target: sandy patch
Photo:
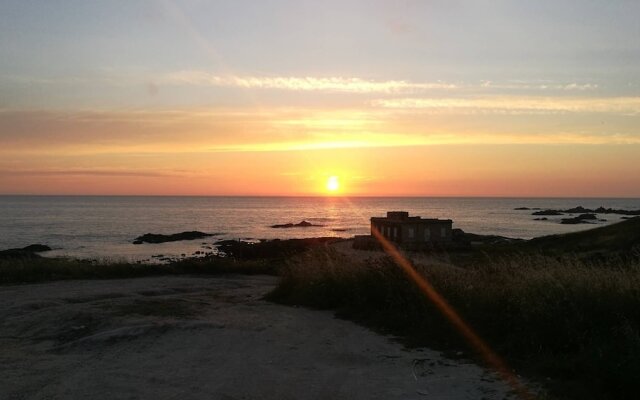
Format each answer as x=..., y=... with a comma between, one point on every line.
x=206, y=338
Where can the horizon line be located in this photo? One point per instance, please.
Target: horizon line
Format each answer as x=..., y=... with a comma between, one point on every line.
x=323, y=196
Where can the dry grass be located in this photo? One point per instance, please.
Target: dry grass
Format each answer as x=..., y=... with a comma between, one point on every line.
x=47, y=269
x=576, y=323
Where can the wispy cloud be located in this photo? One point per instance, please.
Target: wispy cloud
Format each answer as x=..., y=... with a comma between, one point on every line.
x=357, y=84
x=84, y=172
x=307, y=83
x=539, y=86
x=517, y=104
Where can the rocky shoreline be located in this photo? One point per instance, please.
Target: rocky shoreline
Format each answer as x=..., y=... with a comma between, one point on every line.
x=268, y=248
x=585, y=215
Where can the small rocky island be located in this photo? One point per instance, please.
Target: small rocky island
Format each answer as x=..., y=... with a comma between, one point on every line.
x=302, y=224
x=160, y=238
x=24, y=252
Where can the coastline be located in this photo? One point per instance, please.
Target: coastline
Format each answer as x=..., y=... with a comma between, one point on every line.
x=104, y=227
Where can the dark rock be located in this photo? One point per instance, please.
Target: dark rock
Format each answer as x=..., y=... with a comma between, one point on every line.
x=340, y=229
x=25, y=252
x=602, y=210
x=460, y=237
x=547, y=212
x=36, y=248
x=573, y=221
x=272, y=248
x=582, y=210
x=580, y=219
x=541, y=219
x=522, y=208
x=302, y=224
x=159, y=238
x=577, y=210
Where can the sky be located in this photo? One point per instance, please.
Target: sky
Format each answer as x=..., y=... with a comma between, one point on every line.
x=391, y=98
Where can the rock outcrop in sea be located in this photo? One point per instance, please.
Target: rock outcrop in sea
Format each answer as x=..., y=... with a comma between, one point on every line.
x=25, y=252
x=302, y=224
x=160, y=238
x=580, y=219
x=547, y=212
x=582, y=210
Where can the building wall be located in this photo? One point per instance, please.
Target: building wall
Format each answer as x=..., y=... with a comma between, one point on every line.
x=428, y=232
x=409, y=232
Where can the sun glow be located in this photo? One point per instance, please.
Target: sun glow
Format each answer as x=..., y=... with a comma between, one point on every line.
x=333, y=184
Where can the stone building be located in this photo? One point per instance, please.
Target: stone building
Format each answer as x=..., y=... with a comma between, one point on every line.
x=412, y=232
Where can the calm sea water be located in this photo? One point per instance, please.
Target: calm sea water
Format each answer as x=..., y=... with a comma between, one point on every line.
x=104, y=226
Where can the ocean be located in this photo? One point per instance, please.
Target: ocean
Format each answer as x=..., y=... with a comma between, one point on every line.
x=103, y=227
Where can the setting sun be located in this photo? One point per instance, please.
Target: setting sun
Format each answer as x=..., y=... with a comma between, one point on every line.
x=333, y=184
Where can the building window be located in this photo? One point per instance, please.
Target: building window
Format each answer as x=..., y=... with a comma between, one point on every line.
x=427, y=234
x=411, y=233
x=443, y=232
x=395, y=232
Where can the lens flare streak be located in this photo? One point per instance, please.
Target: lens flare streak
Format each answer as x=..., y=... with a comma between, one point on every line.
x=476, y=342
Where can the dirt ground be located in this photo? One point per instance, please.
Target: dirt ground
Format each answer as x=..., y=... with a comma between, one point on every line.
x=206, y=338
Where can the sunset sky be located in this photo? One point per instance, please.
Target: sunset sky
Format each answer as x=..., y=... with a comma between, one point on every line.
x=433, y=98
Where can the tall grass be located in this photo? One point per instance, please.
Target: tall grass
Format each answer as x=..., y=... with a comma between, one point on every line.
x=40, y=269
x=575, y=325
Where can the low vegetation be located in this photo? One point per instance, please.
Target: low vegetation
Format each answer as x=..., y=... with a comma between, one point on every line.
x=573, y=324
x=38, y=269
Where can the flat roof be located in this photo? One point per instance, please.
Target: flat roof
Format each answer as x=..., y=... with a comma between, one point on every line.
x=410, y=220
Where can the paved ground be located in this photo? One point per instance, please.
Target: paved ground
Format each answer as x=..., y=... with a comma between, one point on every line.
x=206, y=338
